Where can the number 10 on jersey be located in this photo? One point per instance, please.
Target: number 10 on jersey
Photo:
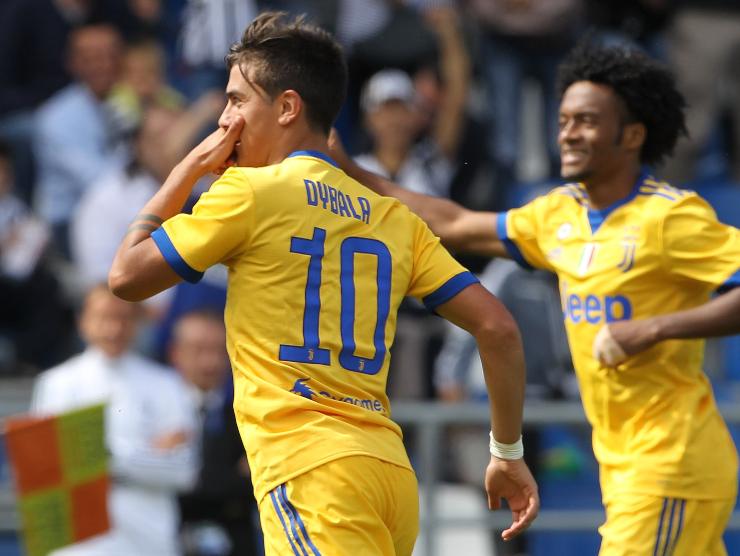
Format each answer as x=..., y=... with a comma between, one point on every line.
x=311, y=351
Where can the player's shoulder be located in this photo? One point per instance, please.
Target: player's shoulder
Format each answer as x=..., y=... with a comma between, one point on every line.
x=561, y=197
x=660, y=199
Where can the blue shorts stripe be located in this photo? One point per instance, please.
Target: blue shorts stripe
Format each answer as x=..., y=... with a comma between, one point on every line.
x=285, y=527
x=301, y=525
x=678, y=527
x=660, y=527
x=670, y=528
x=284, y=503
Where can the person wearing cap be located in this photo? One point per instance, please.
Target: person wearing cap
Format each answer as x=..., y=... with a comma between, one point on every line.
x=393, y=121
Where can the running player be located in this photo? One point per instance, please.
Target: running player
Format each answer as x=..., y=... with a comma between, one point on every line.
x=318, y=266
x=637, y=262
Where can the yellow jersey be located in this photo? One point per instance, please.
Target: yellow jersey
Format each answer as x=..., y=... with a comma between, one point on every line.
x=656, y=427
x=318, y=265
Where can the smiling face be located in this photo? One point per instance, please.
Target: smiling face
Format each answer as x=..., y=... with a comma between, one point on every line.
x=260, y=114
x=592, y=133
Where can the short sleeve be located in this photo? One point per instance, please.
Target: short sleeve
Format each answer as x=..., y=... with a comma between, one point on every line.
x=696, y=246
x=437, y=277
x=518, y=231
x=217, y=229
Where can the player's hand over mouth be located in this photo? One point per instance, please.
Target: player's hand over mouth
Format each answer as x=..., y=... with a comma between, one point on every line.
x=216, y=152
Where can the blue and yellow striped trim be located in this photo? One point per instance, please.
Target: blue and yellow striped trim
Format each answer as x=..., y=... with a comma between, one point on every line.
x=295, y=530
x=670, y=525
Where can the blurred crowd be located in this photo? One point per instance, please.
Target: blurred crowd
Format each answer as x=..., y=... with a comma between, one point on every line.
x=454, y=98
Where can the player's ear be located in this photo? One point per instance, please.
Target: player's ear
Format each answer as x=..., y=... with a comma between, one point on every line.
x=633, y=135
x=290, y=105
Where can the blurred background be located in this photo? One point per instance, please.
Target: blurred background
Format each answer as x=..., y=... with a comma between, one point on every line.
x=100, y=98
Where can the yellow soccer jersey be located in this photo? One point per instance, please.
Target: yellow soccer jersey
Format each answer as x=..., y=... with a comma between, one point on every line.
x=661, y=250
x=318, y=266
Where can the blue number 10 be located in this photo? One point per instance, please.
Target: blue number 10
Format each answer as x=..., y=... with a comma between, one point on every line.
x=310, y=352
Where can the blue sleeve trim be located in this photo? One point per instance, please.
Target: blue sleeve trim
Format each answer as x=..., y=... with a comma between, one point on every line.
x=173, y=258
x=510, y=246
x=732, y=282
x=449, y=289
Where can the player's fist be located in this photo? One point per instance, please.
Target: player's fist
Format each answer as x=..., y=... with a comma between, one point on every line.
x=607, y=349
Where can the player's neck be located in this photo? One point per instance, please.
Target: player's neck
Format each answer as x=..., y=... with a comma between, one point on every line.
x=603, y=192
x=305, y=141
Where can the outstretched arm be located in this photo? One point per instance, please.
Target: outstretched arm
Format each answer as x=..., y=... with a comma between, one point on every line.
x=459, y=229
x=619, y=340
x=502, y=355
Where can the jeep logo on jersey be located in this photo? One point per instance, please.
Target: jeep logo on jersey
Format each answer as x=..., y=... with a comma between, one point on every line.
x=595, y=309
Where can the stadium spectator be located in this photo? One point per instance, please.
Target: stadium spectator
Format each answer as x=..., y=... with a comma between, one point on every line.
x=637, y=262
x=222, y=495
x=388, y=102
x=150, y=428
x=163, y=137
x=33, y=35
x=522, y=40
x=75, y=140
x=321, y=399
x=32, y=309
x=703, y=47
x=208, y=29
x=142, y=84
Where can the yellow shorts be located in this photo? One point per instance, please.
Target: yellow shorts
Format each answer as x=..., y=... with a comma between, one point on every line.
x=652, y=526
x=353, y=506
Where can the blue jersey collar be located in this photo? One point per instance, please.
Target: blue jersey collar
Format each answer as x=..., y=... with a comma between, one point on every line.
x=315, y=154
x=596, y=217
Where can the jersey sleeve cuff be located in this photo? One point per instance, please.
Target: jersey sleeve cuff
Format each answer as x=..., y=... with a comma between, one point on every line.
x=449, y=289
x=173, y=258
x=732, y=282
x=511, y=248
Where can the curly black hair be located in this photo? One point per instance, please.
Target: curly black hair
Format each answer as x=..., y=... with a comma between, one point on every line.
x=646, y=87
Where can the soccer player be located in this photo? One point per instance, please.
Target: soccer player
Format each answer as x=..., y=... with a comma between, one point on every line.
x=637, y=262
x=318, y=266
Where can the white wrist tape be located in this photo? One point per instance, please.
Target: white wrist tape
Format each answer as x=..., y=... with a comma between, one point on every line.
x=506, y=451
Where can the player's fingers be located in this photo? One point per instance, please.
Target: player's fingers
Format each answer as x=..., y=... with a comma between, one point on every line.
x=234, y=129
x=494, y=502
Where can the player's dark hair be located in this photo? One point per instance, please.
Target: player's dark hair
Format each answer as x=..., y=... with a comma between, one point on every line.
x=646, y=88
x=289, y=53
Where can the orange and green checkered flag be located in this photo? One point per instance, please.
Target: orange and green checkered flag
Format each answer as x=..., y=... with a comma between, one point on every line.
x=60, y=468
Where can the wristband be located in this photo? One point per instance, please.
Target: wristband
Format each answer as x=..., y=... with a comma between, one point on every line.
x=506, y=451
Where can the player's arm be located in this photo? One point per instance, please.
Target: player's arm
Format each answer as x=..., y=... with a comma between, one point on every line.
x=497, y=335
x=139, y=269
x=698, y=248
x=459, y=229
x=718, y=317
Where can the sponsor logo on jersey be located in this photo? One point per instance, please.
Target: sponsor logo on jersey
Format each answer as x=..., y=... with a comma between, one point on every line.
x=595, y=309
x=301, y=388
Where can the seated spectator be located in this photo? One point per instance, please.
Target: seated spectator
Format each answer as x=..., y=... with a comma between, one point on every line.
x=221, y=506
x=33, y=34
x=150, y=428
x=32, y=310
x=388, y=102
x=142, y=84
x=75, y=140
x=105, y=211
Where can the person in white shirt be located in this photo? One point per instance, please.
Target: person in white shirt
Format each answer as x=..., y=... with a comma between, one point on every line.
x=150, y=428
x=221, y=506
